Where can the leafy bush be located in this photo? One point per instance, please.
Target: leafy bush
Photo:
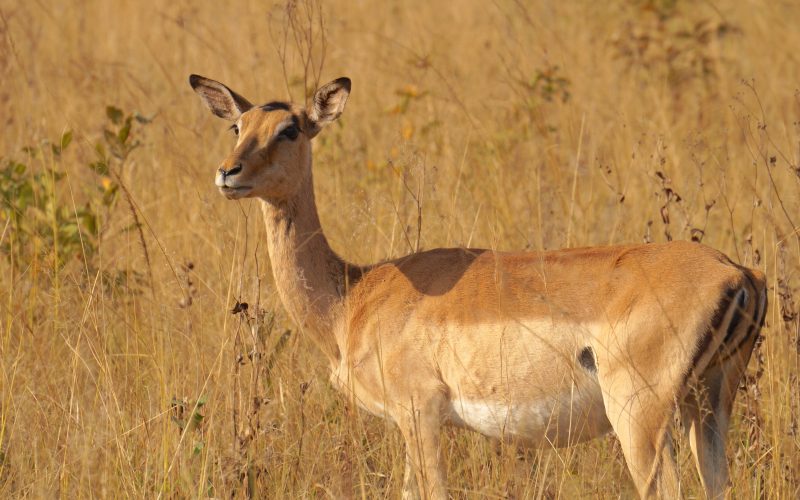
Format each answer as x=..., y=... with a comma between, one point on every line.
x=38, y=223
x=40, y=218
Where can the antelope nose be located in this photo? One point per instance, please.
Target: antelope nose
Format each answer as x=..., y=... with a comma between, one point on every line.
x=233, y=171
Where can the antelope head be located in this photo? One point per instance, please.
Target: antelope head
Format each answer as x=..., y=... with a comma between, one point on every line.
x=272, y=156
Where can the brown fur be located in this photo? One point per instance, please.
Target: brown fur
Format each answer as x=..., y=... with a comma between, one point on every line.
x=544, y=347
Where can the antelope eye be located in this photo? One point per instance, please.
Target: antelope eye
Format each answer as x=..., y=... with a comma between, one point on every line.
x=289, y=132
x=235, y=129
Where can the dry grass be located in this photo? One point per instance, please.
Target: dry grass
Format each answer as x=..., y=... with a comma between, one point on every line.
x=124, y=373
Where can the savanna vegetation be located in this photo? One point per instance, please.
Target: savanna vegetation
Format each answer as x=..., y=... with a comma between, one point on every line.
x=143, y=350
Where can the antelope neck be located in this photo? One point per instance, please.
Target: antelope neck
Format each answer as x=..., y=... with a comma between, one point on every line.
x=309, y=275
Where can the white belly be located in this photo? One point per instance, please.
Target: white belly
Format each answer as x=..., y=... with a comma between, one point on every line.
x=562, y=420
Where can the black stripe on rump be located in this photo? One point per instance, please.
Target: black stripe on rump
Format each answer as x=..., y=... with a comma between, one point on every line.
x=739, y=306
x=756, y=324
x=716, y=322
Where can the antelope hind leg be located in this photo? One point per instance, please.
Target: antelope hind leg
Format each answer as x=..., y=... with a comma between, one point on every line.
x=410, y=487
x=640, y=418
x=706, y=413
x=706, y=409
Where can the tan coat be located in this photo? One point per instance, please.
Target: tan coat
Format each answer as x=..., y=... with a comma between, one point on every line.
x=547, y=348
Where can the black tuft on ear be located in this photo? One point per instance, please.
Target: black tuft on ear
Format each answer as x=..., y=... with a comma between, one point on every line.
x=329, y=102
x=221, y=100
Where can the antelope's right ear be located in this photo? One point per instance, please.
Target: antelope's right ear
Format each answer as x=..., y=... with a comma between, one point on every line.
x=221, y=100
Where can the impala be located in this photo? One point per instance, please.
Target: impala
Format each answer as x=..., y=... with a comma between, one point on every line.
x=544, y=348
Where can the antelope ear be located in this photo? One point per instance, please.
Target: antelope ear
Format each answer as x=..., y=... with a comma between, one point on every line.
x=221, y=100
x=329, y=101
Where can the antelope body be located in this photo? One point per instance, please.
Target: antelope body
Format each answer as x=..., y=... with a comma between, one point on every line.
x=544, y=348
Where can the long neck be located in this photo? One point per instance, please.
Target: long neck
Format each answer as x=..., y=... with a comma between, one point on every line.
x=309, y=276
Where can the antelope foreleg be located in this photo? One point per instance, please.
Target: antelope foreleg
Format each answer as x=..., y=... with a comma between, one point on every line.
x=420, y=425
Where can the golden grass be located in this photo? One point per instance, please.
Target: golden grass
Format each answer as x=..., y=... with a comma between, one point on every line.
x=637, y=127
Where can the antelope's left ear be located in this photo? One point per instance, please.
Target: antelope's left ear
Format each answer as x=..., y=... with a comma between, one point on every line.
x=329, y=101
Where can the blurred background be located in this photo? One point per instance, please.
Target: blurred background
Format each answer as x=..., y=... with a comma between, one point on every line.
x=143, y=350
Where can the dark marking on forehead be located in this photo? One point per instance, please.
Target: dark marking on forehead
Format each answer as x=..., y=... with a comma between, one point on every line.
x=272, y=106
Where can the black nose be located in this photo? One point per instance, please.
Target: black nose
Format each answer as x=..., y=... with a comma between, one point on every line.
x=235, y=170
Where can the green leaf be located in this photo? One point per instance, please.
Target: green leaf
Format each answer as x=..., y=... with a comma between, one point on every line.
x=66, y=139
x=68, y=230
x=125, y=131
x=114, y=114
x=25, y=196
x=99, y=167
x=89, y=222
x=197, y=448
x=197, y=418
x=110, y=137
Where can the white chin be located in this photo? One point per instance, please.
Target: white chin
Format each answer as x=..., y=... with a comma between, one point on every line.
x=234, y=193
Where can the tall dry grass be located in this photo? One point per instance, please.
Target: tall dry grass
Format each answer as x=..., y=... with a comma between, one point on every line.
x=124, y=372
